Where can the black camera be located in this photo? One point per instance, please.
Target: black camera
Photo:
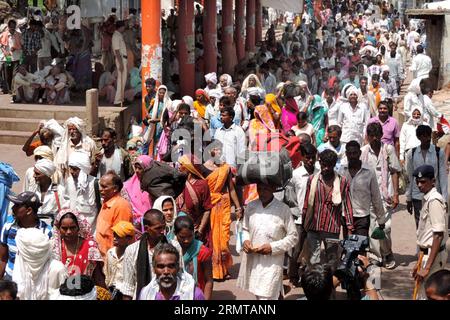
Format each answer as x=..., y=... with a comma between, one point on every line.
x=347, y=270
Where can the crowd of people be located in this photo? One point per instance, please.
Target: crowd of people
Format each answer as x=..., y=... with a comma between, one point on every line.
x=152, y=221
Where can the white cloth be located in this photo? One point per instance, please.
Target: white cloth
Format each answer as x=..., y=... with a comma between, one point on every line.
x=113, y=268
x=115, y=163
x=166, y=101
x=234, y=144
x=46, y=167
x=300, y=178
x=408, y=138
x=185, y=288
x=58, y=133
x=262, y=275
x=413, y=99
x=80, y=159
x=353, y=121
x=212, y=77
x=24, y=81
x=421, y=66
x=85, y=297
x=35, y=273
x=430, y=111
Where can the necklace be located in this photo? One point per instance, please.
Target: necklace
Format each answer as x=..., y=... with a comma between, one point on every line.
x=74, y=256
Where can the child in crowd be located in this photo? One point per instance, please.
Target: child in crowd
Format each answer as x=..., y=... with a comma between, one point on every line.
x=303, y=126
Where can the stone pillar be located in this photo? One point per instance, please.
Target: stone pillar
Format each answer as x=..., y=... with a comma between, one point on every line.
x=210, y=36
x=151, y=45
x=240, y=29
x=186, y=47
x=250, y=36
x=258, y=21
x=92, y=112
x=228, y=55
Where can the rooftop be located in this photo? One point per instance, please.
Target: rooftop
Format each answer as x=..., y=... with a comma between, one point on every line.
x=427, y=12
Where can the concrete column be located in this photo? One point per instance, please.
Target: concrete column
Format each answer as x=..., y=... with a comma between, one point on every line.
x=228, y=52
x=92, y=111
x=250, y=37
x=240, y=29
x=258, y=22
x=151, y=45
x=210, y=36
x=186, y=47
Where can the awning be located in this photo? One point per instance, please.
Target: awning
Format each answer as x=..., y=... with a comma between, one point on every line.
x=295, y=6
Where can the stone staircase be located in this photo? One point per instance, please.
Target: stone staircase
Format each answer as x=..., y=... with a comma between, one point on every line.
x=18, y=121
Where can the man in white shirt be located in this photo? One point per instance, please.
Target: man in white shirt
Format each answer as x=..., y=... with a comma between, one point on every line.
x=421, y=64
x=232, y=138
x=364, y=190
x=334, y=134
x=120, y=52
x=240, y=108
x=47, y=42
x=268, y=233
x=269, y=81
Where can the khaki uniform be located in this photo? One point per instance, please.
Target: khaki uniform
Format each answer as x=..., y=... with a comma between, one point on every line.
x=433, y=218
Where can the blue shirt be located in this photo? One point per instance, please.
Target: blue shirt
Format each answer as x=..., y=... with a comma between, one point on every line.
x=215, y=123
x=8, y=239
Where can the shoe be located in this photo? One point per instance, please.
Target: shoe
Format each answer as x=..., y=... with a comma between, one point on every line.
x=375, y=262
x=390, y=262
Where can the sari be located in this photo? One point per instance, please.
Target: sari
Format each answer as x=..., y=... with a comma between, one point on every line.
x=220, y=221
x=289, y=114
x=198, y=106
x=87, y=256
x=195, y=198
x=316, y=116
x=140, y=200
x=170, y=232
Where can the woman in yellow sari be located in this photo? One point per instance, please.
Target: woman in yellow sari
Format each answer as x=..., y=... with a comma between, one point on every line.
x=223, y=192
x=267, y=120
x=201, y=102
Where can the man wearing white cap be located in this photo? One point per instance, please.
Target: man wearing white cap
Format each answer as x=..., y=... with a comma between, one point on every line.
x=211, y=82
x=77, y=192
x=45, y=190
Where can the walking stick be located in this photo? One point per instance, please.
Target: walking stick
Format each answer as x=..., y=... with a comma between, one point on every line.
x=416, y=287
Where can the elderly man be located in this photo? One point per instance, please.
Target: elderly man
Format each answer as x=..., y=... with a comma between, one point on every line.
x=25, y=86
x=114, y=209
x=45, y=190
x=113, y=157
x=78, y=191
x=421, y=64
x=211, y=82
x=170, y=281
x=268, y=233
x=74, y=138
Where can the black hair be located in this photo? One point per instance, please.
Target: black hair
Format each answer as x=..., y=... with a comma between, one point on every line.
x=86, y=285
x=423, y=130
x=229, y=110
x=71, y=216
x=308, y=149
x=302, y=116
x=120, y=24
x=328, y=157
x=225, y=101
x=335, y=128
x=374, y=130
x=384, y=102
x=183, y=222
x=376, y=76
x=352, y=144
x=419, y=48
x=116, y=180
x=317, y=282
x=111, y=131
x=10, y=287
x=305, y=138
x=12, y=21
x=150, y=81
x=154, y=215
x=184, y=106
x=353, y=69
x=440, y=280
x=363, y=78
x=165, y=248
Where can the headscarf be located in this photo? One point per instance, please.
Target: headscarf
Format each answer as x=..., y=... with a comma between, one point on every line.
x=44, y=152
x=216, y=93
x=58, y=133
x=212, y=77
x=46, y=167
x=167, y=103
x=385, y=68
x=414, y=87
x=272, y=99
x=124, y=229
x=32, y=264
x=80, y=159
x=245, y=85
x=85, y=231
x=169, y=225
x=198, y=106
x=229, y=79
x=187, y=163
x=62, y=156
x=139, y=200
x=189, y=101
x=413, y=121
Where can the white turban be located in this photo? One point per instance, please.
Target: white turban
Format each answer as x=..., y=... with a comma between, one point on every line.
x=351, y=90
x=216, y=93
x=44, y=152
x=189, y=101
x=78, y=123
x=229, y=79
x=46, y=167
x=385, y=68
x=211, y=77
x=253, y=91
x=81, y=160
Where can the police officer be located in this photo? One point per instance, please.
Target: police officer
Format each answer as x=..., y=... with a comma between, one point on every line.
x=432, y=231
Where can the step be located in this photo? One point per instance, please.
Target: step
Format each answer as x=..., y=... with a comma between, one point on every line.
x=13, y=137
x=21, y=124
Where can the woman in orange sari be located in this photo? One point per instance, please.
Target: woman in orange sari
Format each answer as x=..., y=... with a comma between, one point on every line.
x=267, y=120
x=223, y=192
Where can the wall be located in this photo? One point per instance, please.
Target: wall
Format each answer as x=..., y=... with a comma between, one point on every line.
x=445, y=53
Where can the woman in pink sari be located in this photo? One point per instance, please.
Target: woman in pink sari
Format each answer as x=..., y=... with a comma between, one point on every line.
x=140, y=200
x=289, y=114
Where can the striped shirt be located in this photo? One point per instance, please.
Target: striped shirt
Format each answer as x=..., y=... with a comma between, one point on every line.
x=326, y=217
x=8, y=239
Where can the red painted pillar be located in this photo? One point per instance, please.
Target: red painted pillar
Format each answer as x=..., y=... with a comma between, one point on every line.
x=250, y=38
x=186, y=46
x=258, y=22
x=151, y=45
x=210, y=36
x=240, y=29
x=227, y=37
